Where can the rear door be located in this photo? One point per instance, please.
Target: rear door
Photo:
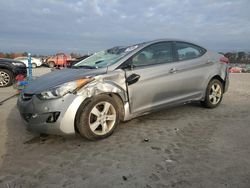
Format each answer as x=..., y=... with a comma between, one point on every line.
x=193, y=68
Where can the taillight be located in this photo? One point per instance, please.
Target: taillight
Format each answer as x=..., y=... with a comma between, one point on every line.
x=225, y=60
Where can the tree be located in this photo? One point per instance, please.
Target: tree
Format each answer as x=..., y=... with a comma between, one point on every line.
x=74, y=55
x=2, y=55
x=25, y=54
x=241, y=57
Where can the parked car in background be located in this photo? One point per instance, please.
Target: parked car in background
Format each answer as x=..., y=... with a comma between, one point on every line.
x=34, y=61
x=59, y=59
x=121, y=83
x=235, y=69
x=44, y=59
x=9, y=69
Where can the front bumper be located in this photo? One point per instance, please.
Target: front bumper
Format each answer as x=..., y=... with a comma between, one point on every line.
x=38, y=114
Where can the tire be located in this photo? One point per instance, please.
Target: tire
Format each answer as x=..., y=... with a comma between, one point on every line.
x=214, y=94
x=6, y=78
x=93, y=113
x=34, y=65
x=51, y=64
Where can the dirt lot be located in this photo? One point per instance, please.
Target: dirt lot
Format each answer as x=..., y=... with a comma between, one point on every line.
x=188, y=146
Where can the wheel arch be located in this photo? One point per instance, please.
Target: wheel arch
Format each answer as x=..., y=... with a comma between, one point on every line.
x=51, y=62
x=206, y=102
x=117, y=98
x=120, y=103
x=6, y=67
x=34, y=63
x=218, y=77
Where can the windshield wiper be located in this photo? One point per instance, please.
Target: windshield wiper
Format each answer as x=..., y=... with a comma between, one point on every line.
x=99, y=62
x=84, y=67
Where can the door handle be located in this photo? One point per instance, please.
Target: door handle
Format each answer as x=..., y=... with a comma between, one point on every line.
x=133, y=78
x=173, y=70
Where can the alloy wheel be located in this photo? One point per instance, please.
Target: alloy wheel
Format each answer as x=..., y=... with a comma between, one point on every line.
x=102, y=118
x=4, y=78
x=215, y=93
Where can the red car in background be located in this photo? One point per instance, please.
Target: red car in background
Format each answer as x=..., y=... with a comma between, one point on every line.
x=58, y=60
x=235, y=69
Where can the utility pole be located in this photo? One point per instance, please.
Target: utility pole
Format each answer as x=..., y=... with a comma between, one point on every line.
x=29, y=68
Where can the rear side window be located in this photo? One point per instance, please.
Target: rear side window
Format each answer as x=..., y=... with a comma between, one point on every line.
x=187, y=51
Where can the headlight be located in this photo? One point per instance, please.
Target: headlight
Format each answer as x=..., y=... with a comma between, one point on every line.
x=63, y=89
x=17, y=64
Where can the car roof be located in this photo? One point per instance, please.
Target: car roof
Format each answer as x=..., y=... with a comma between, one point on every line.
x=145, y=44
x=171, y=39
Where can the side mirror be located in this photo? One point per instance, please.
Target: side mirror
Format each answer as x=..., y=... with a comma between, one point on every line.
x=128, y=65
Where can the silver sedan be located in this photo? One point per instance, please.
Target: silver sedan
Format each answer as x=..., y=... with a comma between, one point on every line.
x=122, y=83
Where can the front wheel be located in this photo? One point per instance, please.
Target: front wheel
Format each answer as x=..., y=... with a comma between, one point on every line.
x=34, y=65
x=214, y=94
x=98, y=118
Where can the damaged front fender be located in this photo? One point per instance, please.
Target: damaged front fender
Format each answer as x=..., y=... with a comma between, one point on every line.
x=113, y=82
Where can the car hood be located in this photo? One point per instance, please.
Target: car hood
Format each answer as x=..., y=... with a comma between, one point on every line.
x=4, y=60
x=58, y=77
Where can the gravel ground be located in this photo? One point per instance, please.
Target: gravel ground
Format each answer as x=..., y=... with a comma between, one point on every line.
x=187, y=146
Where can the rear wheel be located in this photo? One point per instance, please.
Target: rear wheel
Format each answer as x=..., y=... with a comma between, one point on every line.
x=98, y=118
x=51, y=64
x=214, y=94
x=6, y=78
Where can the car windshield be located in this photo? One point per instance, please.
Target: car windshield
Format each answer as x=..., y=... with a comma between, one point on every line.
x=105, y=58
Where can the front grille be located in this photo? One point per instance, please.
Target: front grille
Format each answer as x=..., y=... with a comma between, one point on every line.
x=26, y=96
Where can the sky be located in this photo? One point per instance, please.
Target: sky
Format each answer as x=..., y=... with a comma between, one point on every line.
x=82, y=26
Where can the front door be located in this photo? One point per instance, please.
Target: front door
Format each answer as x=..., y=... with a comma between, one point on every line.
x=152, y=80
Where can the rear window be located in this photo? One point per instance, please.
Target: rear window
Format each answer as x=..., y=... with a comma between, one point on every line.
x=186, y=51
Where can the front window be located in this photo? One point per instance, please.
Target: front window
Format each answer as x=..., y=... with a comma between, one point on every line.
x=105, y=58
x=154, y=54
